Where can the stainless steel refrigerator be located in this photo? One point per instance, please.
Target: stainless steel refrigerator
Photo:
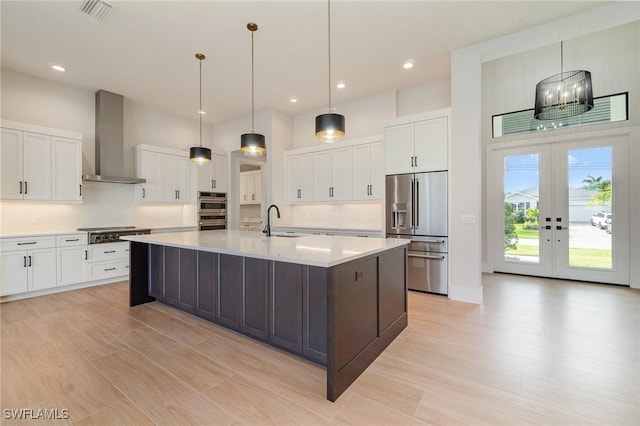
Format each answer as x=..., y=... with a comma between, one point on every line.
x=416, y=208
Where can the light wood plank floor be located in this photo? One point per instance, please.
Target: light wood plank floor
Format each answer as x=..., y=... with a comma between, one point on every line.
x=537, y=351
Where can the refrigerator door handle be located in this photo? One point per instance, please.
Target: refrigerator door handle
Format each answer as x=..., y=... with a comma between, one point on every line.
x=417, y=204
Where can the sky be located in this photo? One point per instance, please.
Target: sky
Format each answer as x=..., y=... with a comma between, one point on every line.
x=522, y=171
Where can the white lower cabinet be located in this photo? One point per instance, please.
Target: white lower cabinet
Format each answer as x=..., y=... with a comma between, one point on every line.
x=27, y=269
x=72, y=254
x=108, y=260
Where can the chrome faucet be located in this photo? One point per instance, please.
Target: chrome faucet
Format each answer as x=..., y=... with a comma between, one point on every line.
x=267, y=229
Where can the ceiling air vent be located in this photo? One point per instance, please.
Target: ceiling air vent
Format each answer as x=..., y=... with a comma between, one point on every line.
x=97, y=9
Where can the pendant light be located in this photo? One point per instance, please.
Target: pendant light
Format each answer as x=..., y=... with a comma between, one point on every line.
x=563, y=95
x=329, y=126
x=252, y=143
x=200, y=154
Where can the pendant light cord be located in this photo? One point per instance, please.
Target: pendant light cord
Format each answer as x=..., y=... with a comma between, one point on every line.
x=200, y=111
x=329, y=49
x=252, y=90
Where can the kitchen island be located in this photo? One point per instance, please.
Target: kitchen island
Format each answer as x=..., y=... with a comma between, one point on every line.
x=335, y=300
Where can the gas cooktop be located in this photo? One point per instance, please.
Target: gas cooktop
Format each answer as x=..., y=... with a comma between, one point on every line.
x=109, y=234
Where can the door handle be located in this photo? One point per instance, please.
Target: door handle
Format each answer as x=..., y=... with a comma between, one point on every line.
x=26, y=188
x=80, y=190
x=560, y=227
x=425, y=256
x=20, y=187
x=24, y=264
x=29, y=261
x=416, y=161
x=412, y=161
x=547, y=227
x=143, y=193
x=86, y=255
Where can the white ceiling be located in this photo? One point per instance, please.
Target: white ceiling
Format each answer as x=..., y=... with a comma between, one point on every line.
x=145, y=49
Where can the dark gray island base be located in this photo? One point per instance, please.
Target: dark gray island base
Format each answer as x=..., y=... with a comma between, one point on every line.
x=341, y=316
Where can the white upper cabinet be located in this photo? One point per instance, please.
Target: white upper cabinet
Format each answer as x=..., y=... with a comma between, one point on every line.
x=352, y=171
x=299, y=180
x=417, y=146
x=250, y=187
x=212, y=177
x=148, y=167
x=368, y=175
x=40, y=165
x=168, y=175
x=67, y=169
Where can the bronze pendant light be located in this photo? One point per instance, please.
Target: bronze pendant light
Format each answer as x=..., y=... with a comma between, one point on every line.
x=563, y=95
x=329, y=126
x=252, y=143
x=200, y=154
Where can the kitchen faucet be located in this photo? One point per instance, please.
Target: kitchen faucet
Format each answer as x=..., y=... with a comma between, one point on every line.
x=267, y=229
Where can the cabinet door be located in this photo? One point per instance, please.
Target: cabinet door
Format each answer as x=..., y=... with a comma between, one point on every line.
x=171, y=275
x=431, y=140
x=399, y=149
x=307, y=176
x=42, y=268
x=148, y=166
x=376, y=171
x=255, y=300
x=220, y=168
x=13, y=273
x=207, y=285
x=286, y=306
x=168, y=190
x=244, y=191
x=361, y=179
x=257, y=187
x=71, y=264
x=323, y=176
x=11, y=184
x=342, y=165
x=67, y=169
x=188, y=279
x=36, y=151
x=293, y=181
x=156, y=271
x=205, y=175
x=182, y=179
x=229, y=309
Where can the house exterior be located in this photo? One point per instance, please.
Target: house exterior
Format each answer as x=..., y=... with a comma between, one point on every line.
x=581, y=206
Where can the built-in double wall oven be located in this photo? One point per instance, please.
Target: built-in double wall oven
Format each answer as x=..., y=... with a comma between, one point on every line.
x=212, y=210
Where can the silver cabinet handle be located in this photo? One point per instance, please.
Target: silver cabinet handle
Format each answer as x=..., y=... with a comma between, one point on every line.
x=417, y=200
x=433, y=241
x=425, y=256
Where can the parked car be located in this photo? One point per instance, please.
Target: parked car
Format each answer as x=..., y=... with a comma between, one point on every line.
x=599, y=219
x=608, y=225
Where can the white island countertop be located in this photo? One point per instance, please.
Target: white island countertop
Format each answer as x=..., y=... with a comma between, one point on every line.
x=316, y=250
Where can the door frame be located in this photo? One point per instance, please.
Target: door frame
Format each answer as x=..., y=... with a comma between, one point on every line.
x=569, y=136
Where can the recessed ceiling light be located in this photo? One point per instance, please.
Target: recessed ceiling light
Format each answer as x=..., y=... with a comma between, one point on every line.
x=341, y=85
x=293, y=100
x=407, y=65
x=58, y=68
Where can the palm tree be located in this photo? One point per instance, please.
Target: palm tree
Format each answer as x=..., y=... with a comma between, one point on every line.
x=603, y=196
x=592, y=182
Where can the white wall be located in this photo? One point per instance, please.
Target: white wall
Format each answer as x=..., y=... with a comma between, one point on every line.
x=467, y=130
x=429, y=97
x=31, y=100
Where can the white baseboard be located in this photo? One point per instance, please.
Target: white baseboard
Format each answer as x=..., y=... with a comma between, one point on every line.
x=54, y=290
x=465, y=294
x=487, y=268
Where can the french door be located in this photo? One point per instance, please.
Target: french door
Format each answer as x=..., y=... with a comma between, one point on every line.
x=561, y=210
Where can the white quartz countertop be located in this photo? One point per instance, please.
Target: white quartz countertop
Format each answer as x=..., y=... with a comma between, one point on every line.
x=315, y=250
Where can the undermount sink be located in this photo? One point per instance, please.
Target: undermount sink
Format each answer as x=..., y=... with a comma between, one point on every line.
x=286, y=235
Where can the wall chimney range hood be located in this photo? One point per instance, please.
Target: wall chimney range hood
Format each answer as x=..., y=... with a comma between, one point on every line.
x=110, y=140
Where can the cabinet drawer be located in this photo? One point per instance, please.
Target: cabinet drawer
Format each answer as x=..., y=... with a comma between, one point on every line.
x=108, y=251
x=71, y=240
x=12, y=244
x=108, y=269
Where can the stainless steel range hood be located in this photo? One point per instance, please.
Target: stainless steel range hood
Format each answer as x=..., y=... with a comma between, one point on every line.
x=110, y=140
